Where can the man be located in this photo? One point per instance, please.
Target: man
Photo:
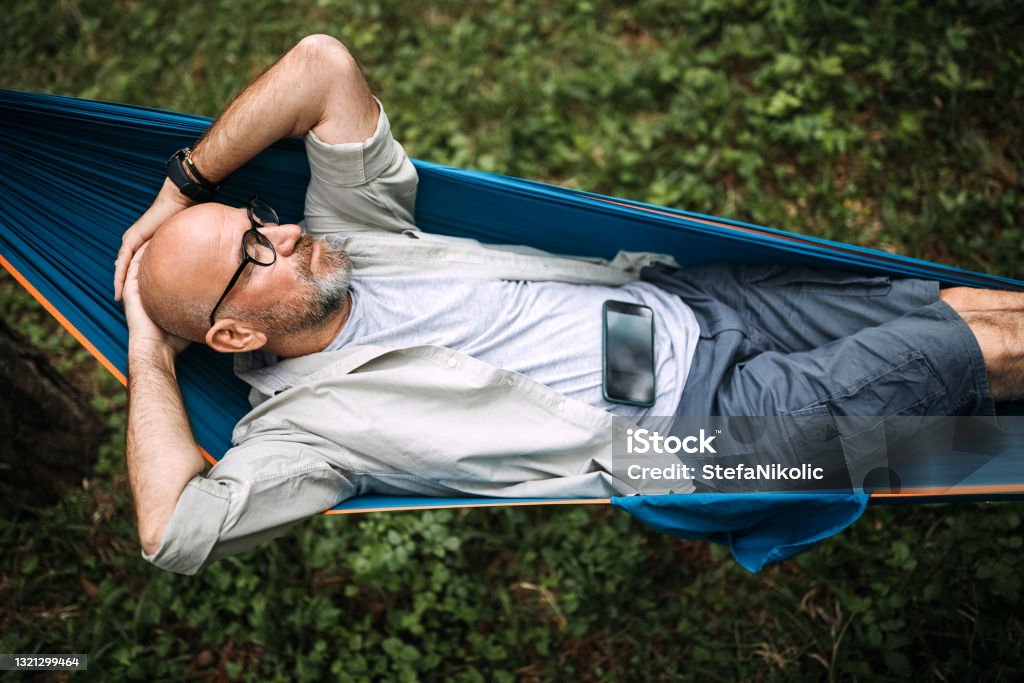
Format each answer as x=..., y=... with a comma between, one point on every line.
x=386, y=360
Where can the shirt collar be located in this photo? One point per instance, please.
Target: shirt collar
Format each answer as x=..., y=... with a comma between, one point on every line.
x=269, y=374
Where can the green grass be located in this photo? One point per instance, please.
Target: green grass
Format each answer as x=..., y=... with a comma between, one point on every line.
x=895, y=125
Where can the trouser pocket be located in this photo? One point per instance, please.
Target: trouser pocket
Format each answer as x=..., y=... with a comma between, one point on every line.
x=857, y=432
x=801, y=278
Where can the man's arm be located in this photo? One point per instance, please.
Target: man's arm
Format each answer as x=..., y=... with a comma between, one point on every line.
x=256, y=491
x=316, y=86
x=162, y=456
x=161, y=453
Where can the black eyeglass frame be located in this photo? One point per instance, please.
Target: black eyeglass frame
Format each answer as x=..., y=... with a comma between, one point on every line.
x=248, y=237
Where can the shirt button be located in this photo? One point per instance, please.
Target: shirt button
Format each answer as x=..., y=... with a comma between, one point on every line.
x=452, y=362
x=561, y=405
x=509, y=381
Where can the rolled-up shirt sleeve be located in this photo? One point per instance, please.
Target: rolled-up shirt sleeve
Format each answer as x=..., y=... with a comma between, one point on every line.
x=253, y=494
x=359, y=186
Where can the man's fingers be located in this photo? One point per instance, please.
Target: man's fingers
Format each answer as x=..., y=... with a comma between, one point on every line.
x=124, y=258
x=140, y=326
x=127, y=257
x=132, y=267
x=129, y=245
x=120, y=271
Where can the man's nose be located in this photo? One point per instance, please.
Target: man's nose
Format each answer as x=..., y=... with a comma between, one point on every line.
x=283, y=237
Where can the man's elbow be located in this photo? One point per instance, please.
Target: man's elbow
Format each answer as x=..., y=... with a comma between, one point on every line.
x=151, y=524
x=150, y=539
x=322, y=49
x=176, y=557
x=180, y=534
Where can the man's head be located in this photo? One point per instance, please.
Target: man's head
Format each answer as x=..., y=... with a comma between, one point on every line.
x=191, y=258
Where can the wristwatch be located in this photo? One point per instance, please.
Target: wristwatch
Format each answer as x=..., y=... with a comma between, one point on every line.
x=200, y=189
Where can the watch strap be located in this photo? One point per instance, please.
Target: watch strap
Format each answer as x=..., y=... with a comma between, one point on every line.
x=201, y=191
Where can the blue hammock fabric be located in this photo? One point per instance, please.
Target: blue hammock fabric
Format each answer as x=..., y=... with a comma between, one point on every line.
x=759, y=530
x=75, y=173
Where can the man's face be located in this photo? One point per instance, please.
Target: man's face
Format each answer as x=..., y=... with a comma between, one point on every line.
x=307, y=283
x=191, y=259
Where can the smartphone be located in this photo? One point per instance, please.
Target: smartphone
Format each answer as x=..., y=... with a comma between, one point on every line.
x=628, y=350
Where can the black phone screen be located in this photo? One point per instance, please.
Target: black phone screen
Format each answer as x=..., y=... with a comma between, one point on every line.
x=628, y=353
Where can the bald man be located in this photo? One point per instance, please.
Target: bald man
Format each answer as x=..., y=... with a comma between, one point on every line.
x=307, y=287
x=384, y=359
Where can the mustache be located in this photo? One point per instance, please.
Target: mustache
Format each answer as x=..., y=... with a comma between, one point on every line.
x=304, y=250
x=332, y=256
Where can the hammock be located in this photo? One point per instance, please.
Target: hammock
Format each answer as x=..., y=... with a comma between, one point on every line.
x=75, y=173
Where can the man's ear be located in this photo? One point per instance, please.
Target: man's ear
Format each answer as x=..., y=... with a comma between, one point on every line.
x=234, y=336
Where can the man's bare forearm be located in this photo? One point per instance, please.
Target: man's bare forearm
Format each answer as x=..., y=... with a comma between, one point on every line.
x=162, y=454
x=313, y=84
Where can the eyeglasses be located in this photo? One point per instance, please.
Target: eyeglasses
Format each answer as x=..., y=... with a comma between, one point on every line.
x=256, y=248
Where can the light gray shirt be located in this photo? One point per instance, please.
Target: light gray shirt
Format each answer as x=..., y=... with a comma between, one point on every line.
x=549, y=331
x=419, y=420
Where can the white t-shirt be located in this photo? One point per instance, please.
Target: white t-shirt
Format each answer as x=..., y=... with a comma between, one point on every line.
x=548, y=331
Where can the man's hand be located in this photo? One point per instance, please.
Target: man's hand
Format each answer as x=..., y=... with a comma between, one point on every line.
x=141, y=329
x=169, y=202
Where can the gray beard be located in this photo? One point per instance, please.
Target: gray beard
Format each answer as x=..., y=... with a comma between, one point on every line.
x=321, y=295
